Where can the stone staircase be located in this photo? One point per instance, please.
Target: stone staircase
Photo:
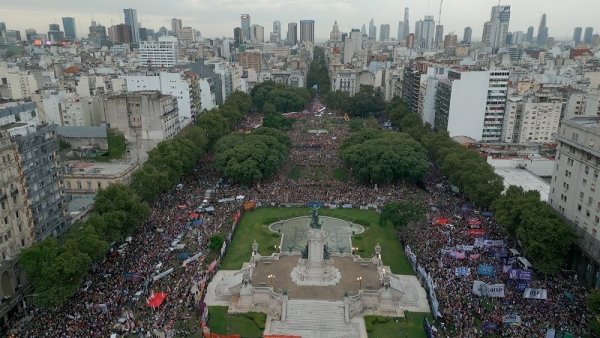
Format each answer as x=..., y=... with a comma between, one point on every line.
x=315, y=319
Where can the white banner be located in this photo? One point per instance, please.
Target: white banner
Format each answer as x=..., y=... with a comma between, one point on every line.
x=535, y=293
x=512, y=320
x=493, y=290
x=162, y=274
x=191, y=259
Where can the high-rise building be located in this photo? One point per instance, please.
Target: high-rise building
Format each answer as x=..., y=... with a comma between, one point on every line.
x=246, y=27
x=450, y=44
x=277, y=29
x=69, y=27
x=425, y=33
x=529, y=37
x=574, y=192
x=176, y=26
x=467, y=35
x=38, y=147
x=406, y=23
x=30, y=34
x=237, y=37
x=132, y=21
x=372, y=30
x=400, y=35
x=161, y=53
x=54, y=32
x=410, y=41
x=119, y=34
x=307, y=31
x=258, y=33
x=17, y=225
x=292, y=33
x=495, y=30
x=587, y=35
x=363, y=30
x=187, y=35
x=542, y=37
x=533, y=118
x=482, y=119
x=98, y=33
x=384, y=32
x=577, y=35
x=439, y=35
x=517, y=37
x=143, y=34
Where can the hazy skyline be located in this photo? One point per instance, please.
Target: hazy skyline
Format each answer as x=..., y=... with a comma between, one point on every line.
x=218, y=18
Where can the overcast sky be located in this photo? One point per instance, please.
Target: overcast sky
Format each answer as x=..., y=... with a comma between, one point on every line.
x=217, y=18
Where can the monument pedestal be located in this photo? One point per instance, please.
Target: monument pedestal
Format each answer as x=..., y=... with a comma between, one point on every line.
x=316, y=270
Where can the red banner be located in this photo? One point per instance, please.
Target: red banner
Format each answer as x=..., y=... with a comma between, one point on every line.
x=477, y=232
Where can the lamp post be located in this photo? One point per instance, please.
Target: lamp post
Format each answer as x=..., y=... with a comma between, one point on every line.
x=359, y=279
x=270, y=279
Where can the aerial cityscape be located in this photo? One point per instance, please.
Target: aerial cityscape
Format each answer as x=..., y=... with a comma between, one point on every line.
x=417, y=171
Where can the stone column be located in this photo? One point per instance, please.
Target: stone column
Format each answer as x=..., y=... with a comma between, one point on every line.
x=316, y=245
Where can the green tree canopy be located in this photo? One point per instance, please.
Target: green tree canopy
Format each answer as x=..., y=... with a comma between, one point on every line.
x=249, y=158
x=401, y=213
x=318, y=74
x=382, y=157
x=367, y=101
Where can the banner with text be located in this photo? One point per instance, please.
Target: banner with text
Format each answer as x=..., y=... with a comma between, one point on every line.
x=535, y=293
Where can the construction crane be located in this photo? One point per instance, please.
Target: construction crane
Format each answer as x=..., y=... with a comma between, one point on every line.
x=440, y=14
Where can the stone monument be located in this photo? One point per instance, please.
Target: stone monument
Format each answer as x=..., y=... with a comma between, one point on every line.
x=315, y=266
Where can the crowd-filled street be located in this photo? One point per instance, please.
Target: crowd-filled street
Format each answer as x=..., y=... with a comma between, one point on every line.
x=169, y=253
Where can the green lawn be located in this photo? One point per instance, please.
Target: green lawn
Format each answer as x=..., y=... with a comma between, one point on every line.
x=248, y=325
x=254, y=226
x=410, y=326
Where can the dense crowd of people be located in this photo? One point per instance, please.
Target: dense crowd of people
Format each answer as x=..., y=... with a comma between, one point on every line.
x=447, y=242
x=113, y=301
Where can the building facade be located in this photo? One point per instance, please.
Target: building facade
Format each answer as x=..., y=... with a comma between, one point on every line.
x=574, y=190
x=161, y=53
x=533, y=118
x=16, y=227
x=132, y=21
x=38, y=151
x=145, y=118
x=307, y=31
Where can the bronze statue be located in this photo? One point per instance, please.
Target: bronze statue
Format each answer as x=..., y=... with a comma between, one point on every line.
x=315, y=223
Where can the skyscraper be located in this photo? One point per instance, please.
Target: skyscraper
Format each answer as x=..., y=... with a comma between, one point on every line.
x=406, y=23
x=307, y=31
x=372, y=30
x=132, y=22
x=495, y=30
x=335, y=34
x=246, y=32
x=400, y=36
x=69, y=27
x=277, y=29
x=439, y=35
x=467, y=35
x=587, y=35
x=425, y=33
x=577, y=35
x=363, y=30
x=529, y=37
x=384, y=32
x=542, y=37
x=258, y=33
x=292, y=33
x=237, y=37
x=176, y=25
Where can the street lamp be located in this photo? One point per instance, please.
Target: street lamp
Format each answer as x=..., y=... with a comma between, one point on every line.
x=270, y=279
x=359, y=279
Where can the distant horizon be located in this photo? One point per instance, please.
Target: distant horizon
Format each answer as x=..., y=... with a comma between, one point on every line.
x=218, y=19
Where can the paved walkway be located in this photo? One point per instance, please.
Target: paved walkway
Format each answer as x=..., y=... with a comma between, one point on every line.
x=282, y=280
